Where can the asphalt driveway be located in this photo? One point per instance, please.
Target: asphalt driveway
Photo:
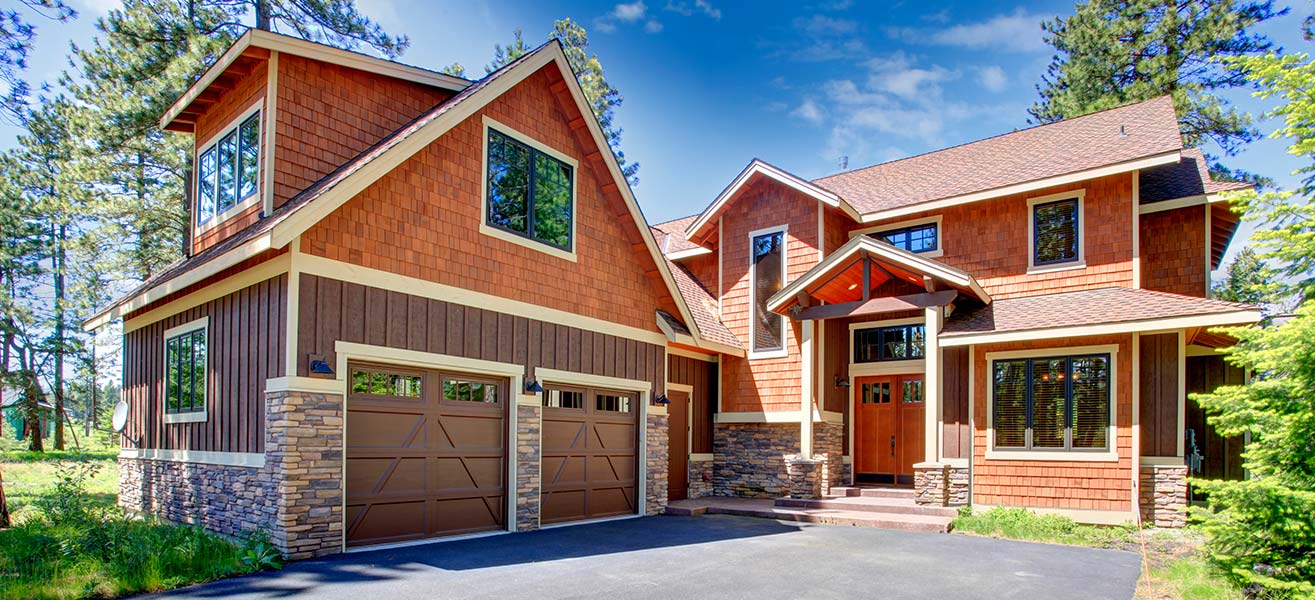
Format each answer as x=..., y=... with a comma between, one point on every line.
x=700, y=557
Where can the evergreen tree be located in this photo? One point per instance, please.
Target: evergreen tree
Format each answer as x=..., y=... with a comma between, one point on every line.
x=602, y=97
x=1114, y=52
x=1245, y=280
x=17, y=35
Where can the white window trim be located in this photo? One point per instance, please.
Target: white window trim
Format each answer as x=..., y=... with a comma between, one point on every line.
x=256, y=197
x=513, y=238
x=1109, y=455
x=940, y=232
x=196, y=416
x=1081, y=261
x=784, y=351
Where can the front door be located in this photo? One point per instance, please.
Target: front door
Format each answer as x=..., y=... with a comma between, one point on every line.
x=678, y=450
x=889, y=428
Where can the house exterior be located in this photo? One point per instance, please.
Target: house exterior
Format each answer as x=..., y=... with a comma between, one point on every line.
x=416, y=306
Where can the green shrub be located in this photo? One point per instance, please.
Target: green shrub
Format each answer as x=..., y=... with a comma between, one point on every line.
x=1023, y=524
x=1261, y=533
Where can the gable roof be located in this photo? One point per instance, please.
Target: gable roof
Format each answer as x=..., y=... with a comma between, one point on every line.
x=757, y=167
x=703, y=307
x=671, y=239
x=276, y=42
x=1186, y=178
x=333, y=190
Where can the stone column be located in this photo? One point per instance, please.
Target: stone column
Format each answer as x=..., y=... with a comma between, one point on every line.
x=657, y=459
x=828, y=447
x=304, y=459
x=958, y=483
x=700, y=476
x=529, y=427
x=930, y=484
x=1163, y=495
x=805, y=476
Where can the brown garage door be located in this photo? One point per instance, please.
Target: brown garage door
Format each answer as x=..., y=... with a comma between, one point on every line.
x=590, y=438
x=426, y=454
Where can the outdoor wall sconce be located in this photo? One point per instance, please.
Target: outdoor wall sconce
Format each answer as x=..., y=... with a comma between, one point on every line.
x=318, y=366
x=842, y=383
x=533, y=387
x=662, y=399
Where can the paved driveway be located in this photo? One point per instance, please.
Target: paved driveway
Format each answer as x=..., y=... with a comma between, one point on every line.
x=701, y=557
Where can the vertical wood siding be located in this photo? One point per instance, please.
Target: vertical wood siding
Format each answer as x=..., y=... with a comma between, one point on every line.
x=1159, y=394
x=956, y=435
x=702, y=375
x=245, y=343
x=332, y=310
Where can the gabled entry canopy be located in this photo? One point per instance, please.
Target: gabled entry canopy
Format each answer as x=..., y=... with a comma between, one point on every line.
x=867, y=277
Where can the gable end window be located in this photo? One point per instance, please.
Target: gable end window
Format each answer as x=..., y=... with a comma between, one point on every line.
x=767, y=277
x=920, y=238
x=228, y=170
x=1060, y=403
x=1056, y=232
x=186, y=360
x=530, y=192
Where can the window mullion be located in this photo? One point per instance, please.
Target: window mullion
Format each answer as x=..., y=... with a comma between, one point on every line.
x=1068, y=403
x=1027, y=407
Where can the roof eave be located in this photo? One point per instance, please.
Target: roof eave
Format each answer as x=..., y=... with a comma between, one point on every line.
x=760, y=167
x=1224, y=319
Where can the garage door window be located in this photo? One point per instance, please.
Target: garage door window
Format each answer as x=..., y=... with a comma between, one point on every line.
x=611, y=403
x=465, y=390
x=562, y=398
x=376, y=383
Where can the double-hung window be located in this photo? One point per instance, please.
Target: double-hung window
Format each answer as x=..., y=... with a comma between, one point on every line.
x=1058, y=403
x=529, y=192
x=185, y=376
x=767, y=277
x=1056, y=231
x=227, y=172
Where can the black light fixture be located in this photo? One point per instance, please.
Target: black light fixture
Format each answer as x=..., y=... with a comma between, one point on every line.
x=532, y=386
x=842, y=383
x=318, y=366
x=662, y=399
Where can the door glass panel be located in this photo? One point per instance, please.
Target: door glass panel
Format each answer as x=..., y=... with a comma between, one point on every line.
x=885, y=392
x=912, y=391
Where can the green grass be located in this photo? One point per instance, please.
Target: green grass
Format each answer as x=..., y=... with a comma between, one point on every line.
x=1023, y=524
x=28, y=476
x=1189, y=577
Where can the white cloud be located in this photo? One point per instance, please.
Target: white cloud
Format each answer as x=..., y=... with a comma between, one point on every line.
x=1018, y=32
x=98, y=8
x=685, y=9
x=895, y=74
x=653, y=26
x=992, y=78
x=808, y=111
x=631, y=12
x=823, y=26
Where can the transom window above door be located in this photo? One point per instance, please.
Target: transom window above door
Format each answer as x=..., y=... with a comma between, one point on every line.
x=896, y=342
x=228, y=171
x=530, y=192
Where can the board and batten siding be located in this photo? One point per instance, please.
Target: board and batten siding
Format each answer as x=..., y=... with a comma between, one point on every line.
x=1158, y=394
x=702, y=376
x=956, y=433
x=245, y=338
x=333, y=310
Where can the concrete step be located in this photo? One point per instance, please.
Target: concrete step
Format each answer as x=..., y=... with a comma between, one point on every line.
x=873, y=492
x=766, y=508
x=901, y=506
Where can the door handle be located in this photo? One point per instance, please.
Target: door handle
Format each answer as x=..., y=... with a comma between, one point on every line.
x=892, y=445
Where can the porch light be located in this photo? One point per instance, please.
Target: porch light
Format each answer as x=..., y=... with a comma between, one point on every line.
x=319, y=367
x=533, y=387
x=662, y=399
x=842, y=383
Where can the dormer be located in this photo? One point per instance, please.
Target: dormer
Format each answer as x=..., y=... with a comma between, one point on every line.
x=275, y=114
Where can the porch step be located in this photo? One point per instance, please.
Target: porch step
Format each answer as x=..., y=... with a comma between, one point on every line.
x=767, y=508
x=873, y=492
x=900, y=506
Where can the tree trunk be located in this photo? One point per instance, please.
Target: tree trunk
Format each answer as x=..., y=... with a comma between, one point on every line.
x=32, y=410
x=95, y=387
x=61, y=344
x=262, y=15
x=4, y=506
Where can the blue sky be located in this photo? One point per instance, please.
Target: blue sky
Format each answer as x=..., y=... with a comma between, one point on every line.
x=711, y=84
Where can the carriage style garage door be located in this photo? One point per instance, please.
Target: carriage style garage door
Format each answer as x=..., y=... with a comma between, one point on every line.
x=426, y=454
x=590, y=437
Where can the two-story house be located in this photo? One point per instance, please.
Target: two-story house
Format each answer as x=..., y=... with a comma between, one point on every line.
x=416, y=306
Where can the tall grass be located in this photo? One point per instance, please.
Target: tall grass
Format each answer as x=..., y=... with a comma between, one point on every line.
x=1023, y=524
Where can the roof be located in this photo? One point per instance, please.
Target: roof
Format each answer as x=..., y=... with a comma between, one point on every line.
x=1183, y=179
x=755, y=170
x=1118, y=135
x=1137, y=309
x=671, y=238
x=703, y=308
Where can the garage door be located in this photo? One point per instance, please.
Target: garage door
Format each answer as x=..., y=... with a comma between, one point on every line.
x=590, y=438
x=426, y=454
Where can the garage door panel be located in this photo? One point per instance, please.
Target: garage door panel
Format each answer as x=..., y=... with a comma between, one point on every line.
x=614, y=436
x=560, y=470
x=369, y=429
x=373, y=476
x=607, y=502
x=566, y=505
x=466, y=515
x=590, y=457
x=607, y=469
x=562, y=435
x=468, y=473
x=472, y=432
x=387, y=522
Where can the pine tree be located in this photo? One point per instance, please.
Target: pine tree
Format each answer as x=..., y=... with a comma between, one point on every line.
x=17, y=36
x=1114, y=52
x=1245, y=280
x=603, y=99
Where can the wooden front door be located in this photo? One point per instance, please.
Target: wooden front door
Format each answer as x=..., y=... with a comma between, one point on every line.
x=678, y=449
x=889, y=428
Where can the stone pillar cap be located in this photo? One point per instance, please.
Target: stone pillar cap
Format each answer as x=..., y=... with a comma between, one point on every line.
x=797, y=459
x=930, y=465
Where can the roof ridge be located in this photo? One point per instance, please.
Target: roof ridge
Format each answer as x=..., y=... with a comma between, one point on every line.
x=989, y=138
x=670, y=221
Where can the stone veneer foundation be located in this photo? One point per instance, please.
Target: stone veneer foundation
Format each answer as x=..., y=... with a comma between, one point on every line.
x=657, y=464
x=1163, y=495
x=805, y=476
x=750, y=458
x=700, y=478
x=233, y=501
x=529, y=425
x=829, y=447
x=939, y=484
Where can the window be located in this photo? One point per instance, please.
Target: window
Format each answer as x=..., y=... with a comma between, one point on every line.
x=875, y=393
x=914, y=238
x=612, y=403
x=555, y=398
x=529, y=192
x=227, y=171
x=767, y=268
x=185, y=372
x=1056, y=235
x=898, y=342
x=465, y=390
x=377, y=383
x=1059, y=403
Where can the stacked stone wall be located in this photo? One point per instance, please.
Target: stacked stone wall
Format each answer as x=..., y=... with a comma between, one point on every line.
x=1163, y=495
x=234, y=501
x=529, y=427
x=658, y=463
x=750, y=458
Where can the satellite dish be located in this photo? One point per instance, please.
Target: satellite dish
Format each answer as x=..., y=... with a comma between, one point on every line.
x=120, y=419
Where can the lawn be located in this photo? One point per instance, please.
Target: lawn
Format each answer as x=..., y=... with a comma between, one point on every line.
x=1178, y=568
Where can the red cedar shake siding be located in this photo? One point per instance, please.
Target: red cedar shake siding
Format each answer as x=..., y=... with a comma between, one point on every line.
x=245, y=344
x=1173, y=251
x=215, y=120
x=1055, y=484
x=422, y=220
x=770, y=384
x=989, y=240
x=328, y=114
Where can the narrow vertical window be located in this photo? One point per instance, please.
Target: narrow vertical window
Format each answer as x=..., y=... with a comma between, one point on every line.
x=205, y=192
x=249, y=156
x=185, y=372
x=768, y=275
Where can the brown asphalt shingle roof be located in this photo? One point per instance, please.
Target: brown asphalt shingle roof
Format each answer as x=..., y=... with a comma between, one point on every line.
x=671, y=235
x=1087, y=307
x=1099, y=139
x=703, y=307
x=1188, y=177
